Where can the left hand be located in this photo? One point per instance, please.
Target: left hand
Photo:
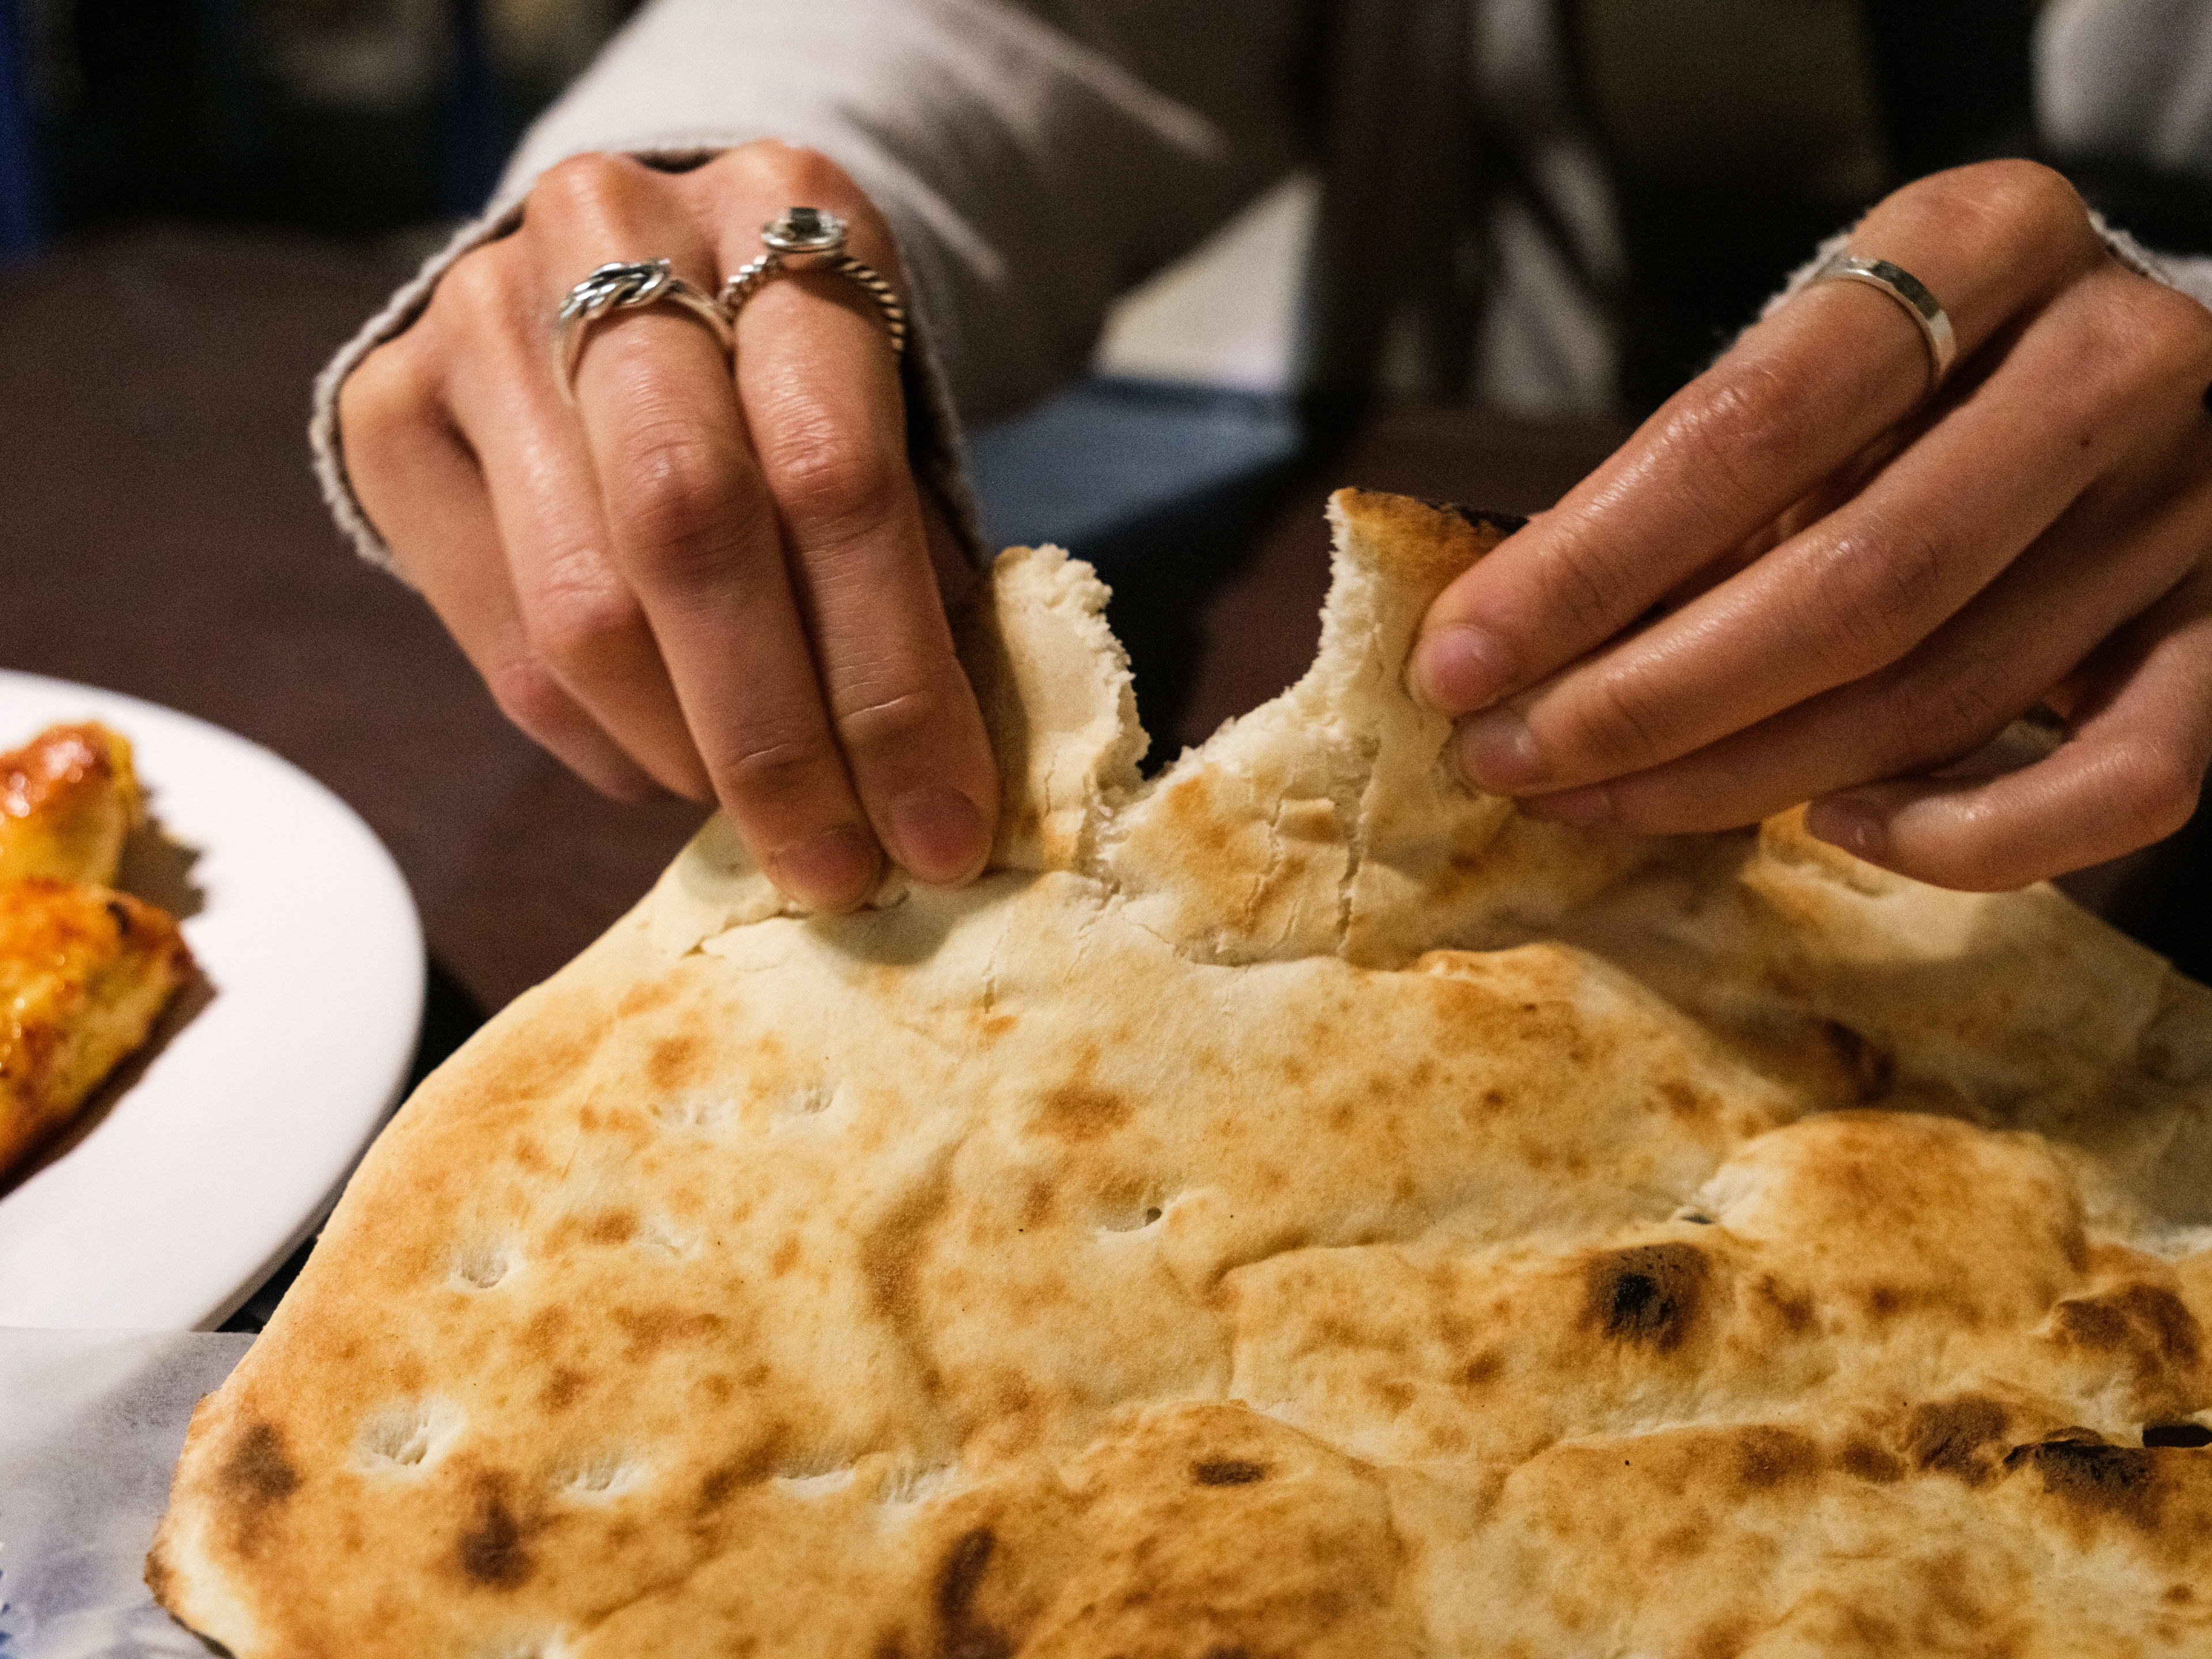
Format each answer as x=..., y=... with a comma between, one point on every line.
x=1799, y=581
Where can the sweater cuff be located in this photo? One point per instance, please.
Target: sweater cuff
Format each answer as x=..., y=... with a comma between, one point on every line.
x=935, y=449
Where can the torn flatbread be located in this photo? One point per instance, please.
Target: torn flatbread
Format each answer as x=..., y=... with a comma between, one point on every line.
x=1291, y=1207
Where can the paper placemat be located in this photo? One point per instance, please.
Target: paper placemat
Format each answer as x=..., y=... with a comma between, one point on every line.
x=90, y=1426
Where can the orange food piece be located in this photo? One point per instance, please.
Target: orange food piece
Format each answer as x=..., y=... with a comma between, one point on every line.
x=84, y=973
x=67, y=799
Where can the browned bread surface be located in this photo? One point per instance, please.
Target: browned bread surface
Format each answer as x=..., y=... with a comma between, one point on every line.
x=1292, y=1207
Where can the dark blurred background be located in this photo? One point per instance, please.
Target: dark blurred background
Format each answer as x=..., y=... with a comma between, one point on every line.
x=343, y=117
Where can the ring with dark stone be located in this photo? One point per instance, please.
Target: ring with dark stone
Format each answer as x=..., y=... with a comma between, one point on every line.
x=812, y=239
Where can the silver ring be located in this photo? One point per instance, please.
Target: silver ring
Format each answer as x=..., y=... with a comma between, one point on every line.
x=809, y=238
x=620, y=287
x=1909, y=291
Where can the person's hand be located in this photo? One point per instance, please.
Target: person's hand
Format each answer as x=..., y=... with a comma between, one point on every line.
x=1798, y=582
x=725, y=585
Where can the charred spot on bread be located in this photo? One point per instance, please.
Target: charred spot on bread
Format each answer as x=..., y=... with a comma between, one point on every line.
x=1872, y=1070
x=2116, y=1480
x=1952, y=1437
x=1227, y=1472
x=258, y=1468
x=1768, y=1455
x=1082, y=1111
x=2149, y=1316
x=1479, y=518
x=2186, y=1437
x=1649, y=1294
x=959, y=1579
x=1865, y=1459
x=490, y=1551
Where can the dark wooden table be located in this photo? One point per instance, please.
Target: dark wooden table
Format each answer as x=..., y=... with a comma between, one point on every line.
x=160, y=534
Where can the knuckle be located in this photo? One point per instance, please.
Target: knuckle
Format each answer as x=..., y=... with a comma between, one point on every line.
x=1592, y=595
x=389, y=388
x=1747, y=422
x=772, y=766
x=1900, y=577
x=674, y=489
x=584, y=184
x=2030, y=194
x=1940, y=716
x=1617, y=727
x=2024, y=198
x=528, y=694
x=791, y=166
x=577, y=628
x=2172, y=333
x=897, y=721
x=794, y=172
x=2131, y=340
x=2019, y=213
x=2096, y=360
x=484, y=280
x=834, y=493
x=2182, y=318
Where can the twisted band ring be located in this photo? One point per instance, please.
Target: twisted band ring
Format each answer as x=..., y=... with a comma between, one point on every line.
x=809, y=238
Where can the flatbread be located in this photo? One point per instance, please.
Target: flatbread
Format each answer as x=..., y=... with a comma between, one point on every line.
x=1295, y=1206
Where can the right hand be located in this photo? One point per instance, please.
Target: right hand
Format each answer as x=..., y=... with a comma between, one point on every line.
x=726, y=585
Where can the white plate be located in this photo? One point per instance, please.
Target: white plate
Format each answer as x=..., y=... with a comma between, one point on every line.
x=208, y=1162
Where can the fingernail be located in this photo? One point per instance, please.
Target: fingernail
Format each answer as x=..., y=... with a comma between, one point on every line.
x=937, y=834
x=1460, y=667
x=1497, y=751
x=833, y=871
x=1853, y=825
x=1575, y=806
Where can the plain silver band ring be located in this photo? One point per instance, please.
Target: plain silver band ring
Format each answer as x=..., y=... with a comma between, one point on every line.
x=814, y=243
x=620, y=287
x=1909, y=291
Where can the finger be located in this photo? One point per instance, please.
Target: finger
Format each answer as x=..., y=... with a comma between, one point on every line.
x=694, y=534
x=2106, y=562
x=1799, y=395
x=2110, y=366
x=820, y=389
x=421, y=489
x=582, y=622
x=2130, y=774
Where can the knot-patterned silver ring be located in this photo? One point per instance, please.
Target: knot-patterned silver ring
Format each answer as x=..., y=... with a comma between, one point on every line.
x=620, y=287
x=1909, y=291
x=810, y=239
